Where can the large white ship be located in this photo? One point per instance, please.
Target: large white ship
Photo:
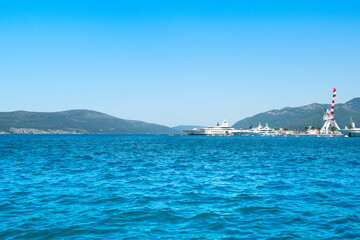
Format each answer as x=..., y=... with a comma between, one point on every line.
x=351, y=132
x=223, y=129
x=258, y=131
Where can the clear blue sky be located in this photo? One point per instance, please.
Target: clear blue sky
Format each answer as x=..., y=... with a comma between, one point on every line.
x=177, y=62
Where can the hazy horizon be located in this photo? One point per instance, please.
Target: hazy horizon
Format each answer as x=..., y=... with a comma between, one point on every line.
x=179, y=62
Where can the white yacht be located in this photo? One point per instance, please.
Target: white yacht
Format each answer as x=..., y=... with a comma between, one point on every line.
x=351, y=132
x=223, y=129
x=259, y=131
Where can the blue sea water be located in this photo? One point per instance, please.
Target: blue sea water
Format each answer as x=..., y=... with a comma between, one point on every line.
x=179, y=187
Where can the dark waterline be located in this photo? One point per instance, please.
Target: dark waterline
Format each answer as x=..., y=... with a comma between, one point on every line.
x=178, y=187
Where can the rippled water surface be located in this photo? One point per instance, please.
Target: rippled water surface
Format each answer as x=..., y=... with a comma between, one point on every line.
x=178, y=187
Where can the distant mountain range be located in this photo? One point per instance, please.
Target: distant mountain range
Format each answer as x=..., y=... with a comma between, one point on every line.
x=86, y=121
x=79, y=121
x=308, y=115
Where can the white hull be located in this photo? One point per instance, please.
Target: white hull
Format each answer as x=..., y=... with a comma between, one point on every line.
x=218, y=130
x=351, y=132
x=259, y=131
x=195, y=132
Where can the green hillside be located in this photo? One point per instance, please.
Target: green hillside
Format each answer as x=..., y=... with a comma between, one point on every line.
x=81, y=121
x=309, y=115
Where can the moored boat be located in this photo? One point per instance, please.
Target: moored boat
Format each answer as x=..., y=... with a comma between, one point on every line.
x=223, y=129
x=351, y=131
x=258, y=131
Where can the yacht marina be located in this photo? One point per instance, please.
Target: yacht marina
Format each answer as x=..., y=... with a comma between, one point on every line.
x=225, y=129
x=329, y=129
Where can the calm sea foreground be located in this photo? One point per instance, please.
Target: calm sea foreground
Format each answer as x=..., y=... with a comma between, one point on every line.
x=179, y=187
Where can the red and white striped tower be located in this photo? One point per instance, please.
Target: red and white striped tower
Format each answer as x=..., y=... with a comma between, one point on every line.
x=329, y=118
x=333, y=104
